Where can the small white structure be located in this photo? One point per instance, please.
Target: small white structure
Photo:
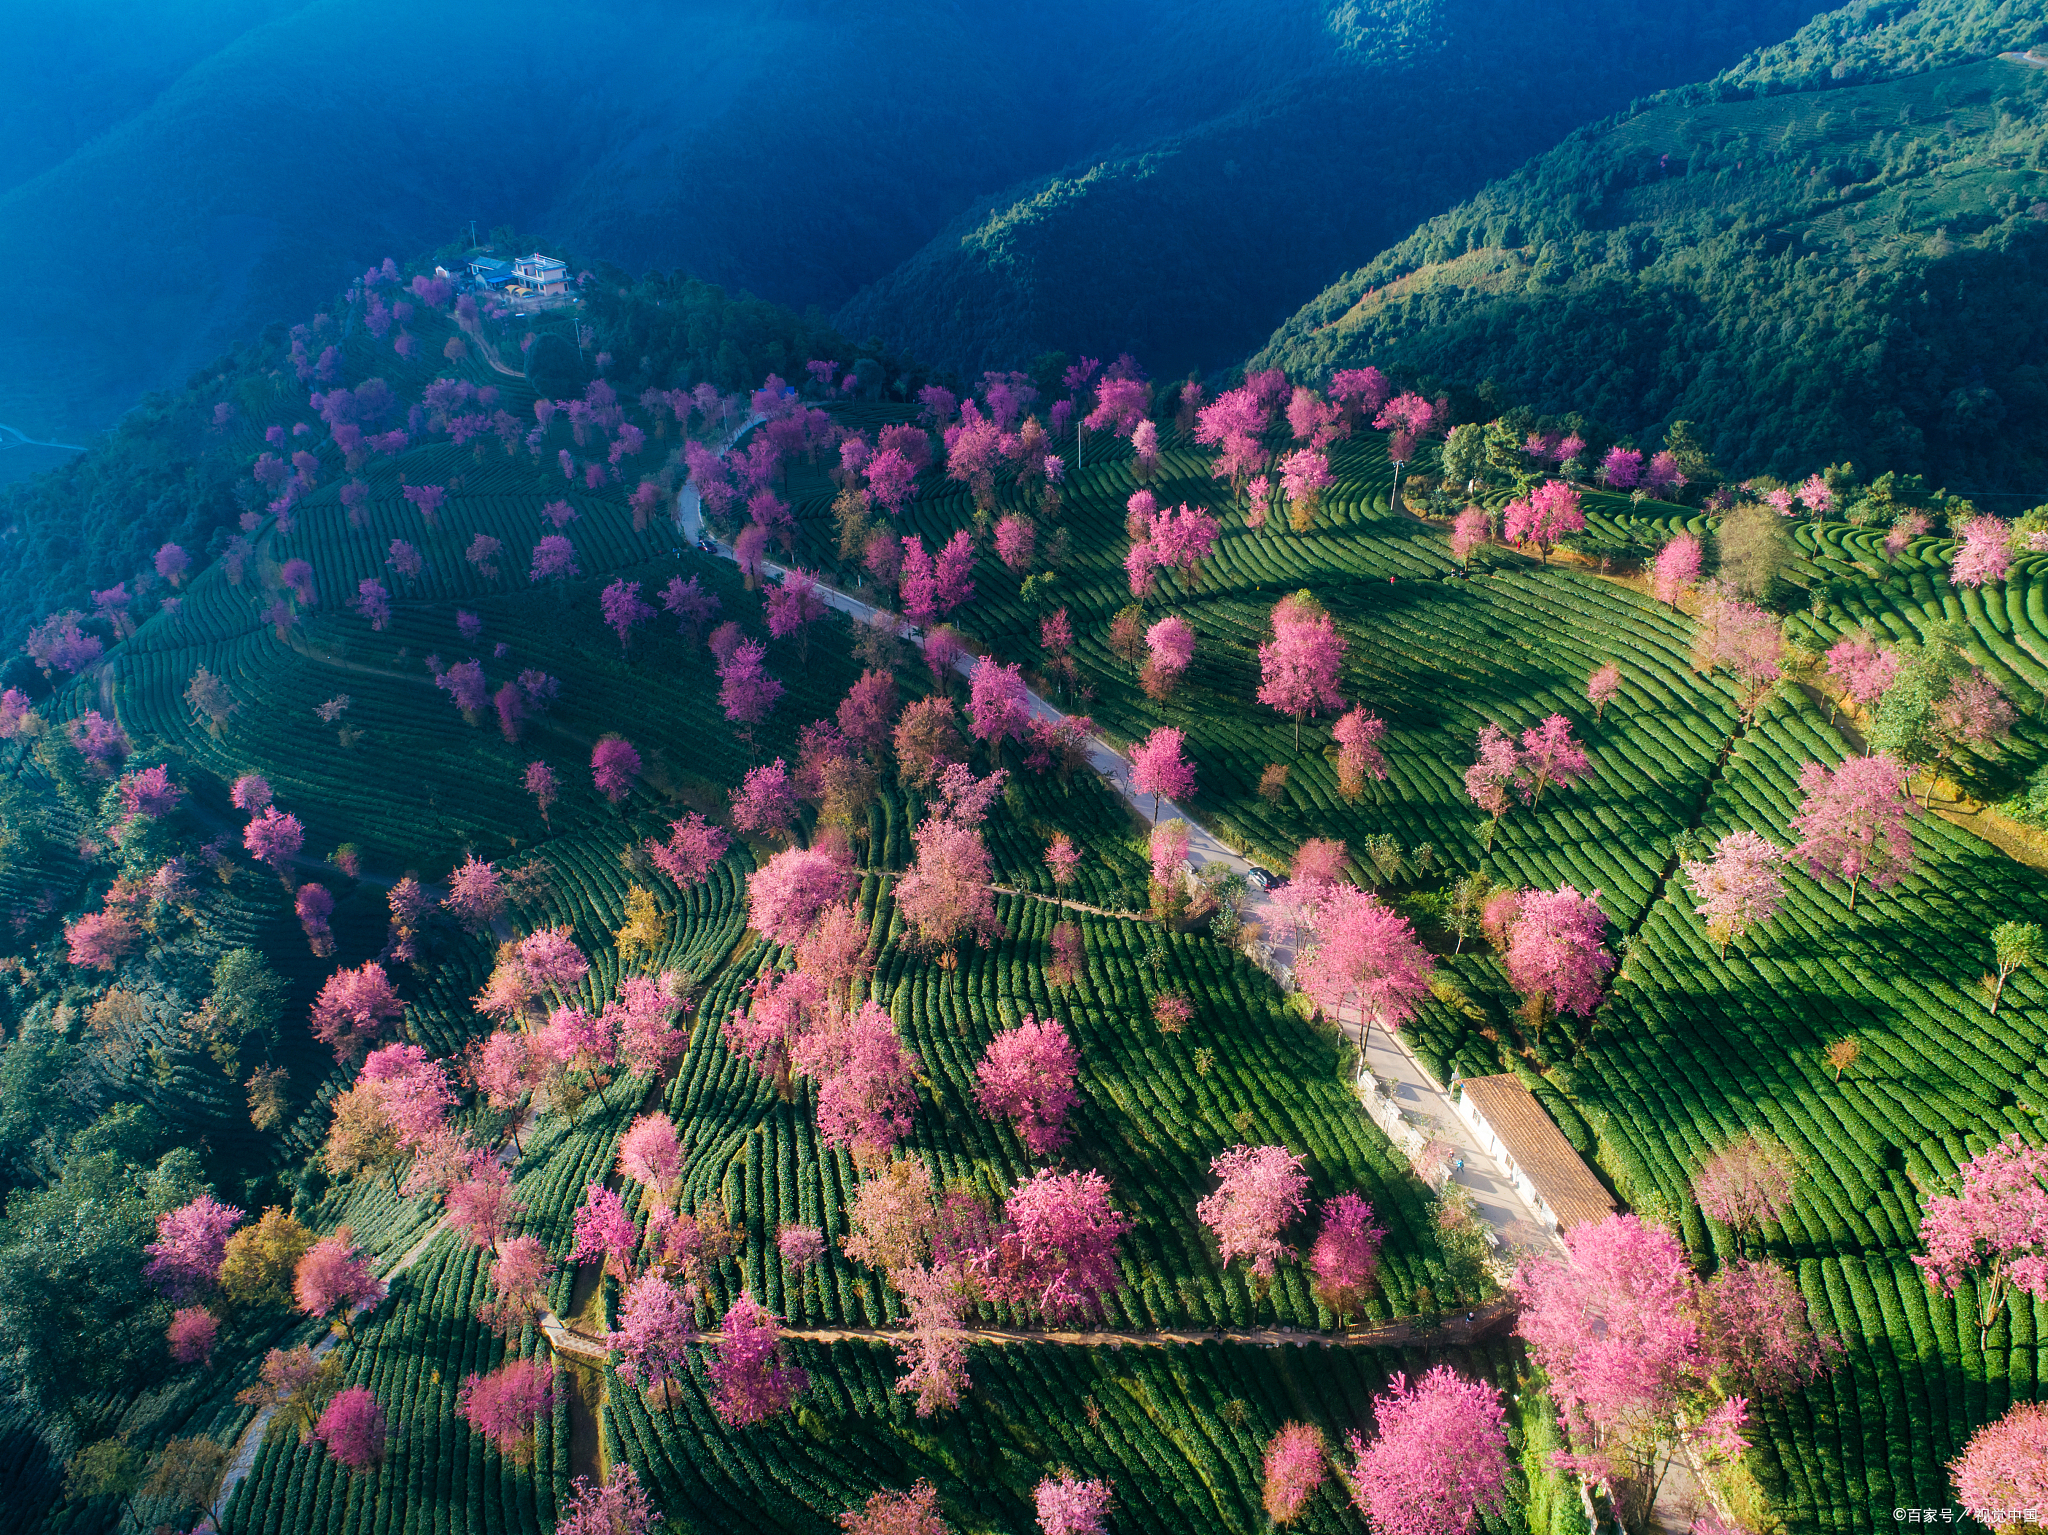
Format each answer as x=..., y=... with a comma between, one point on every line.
x=543, y=274
x=1516, y=1133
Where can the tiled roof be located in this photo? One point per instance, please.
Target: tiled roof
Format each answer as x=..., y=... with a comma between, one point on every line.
x=1539, y=1149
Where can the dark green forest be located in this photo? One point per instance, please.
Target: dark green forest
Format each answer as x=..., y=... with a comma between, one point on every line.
x=1833, y=252
x=1187, y=249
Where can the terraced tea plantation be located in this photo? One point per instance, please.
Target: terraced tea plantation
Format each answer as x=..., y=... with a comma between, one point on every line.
x=361, y=735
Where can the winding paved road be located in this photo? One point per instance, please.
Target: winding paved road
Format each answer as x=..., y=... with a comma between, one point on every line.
x=1421, y=1099
x=23, y=440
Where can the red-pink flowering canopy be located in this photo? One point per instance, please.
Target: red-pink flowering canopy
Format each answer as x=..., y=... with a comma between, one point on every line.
x=1555, y=948
x=1439, y=1458
x=1260, y=1189
x=1367, y=956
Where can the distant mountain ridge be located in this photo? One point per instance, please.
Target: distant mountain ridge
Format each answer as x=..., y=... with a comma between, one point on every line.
x=1833, y=250
x=793, y=149
x=1186, y=249
x=236, y=163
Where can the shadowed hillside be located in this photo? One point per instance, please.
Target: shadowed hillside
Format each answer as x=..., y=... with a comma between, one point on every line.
x=1186, y=249
x=1830, y=252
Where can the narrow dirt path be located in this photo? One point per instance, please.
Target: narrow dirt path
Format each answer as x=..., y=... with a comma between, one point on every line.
x=242, y=1455
x=475, y=331
x=1395, y=1332
x=23, y=440
x=1060, y=900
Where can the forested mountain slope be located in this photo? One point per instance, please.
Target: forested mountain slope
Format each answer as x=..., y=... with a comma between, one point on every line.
x=794, y=150
x=1185, y=249
x=1832, y=251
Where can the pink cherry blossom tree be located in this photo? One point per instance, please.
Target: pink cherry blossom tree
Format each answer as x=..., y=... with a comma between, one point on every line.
x=2001, y=1477
x=692, y=851
x=353, y=1428
x=945, y=894
x=1304, y=476
x=274, y=838
x=1992, y=1230
x=334, y=1280
x=1603, y=686
x=746, y=689
x=1366, y=956
x=1740, y=887
x=1550, y=512
x=1985, y=552
x=657, y=1325
x=618, y=1506
x=1615, y=1326
x=793, y=605
x=99, y=940
x=1548, y=755
x=1028, y=1075
x=605, y=1233
x=1861, y=668
x=1759, y=1331
x=554, y=559
x=191, y=1240
x=765, y=801
x=476, y=894
x=999, y=705
x=1739, y=637
x=1016, y=541
x=353, y=1008
x=652, y=1156
x=800, y=1247
x=867, y=1093
x=191, y=1335
x=313, y=905
x=1676, y=568
x=539, y=781
x=1294, y=1469
x=504, y=1405
x=1298, y=667
x=912, y=1512
x=1492, y=775
x=867, y=715
x=373, y=602
x=751, y=1382
x=1158, y=769
x=1260, y=1189
x=1555, y=956
x=1170, y=645
x=786, y=895
x=1746, y=1183
x=1181, y=538
x=1358, y=733
x=1346, y=1253
x=1440, y=1456
x=1063, y=859
x=1852, y=825
x=1067, y=1505
x=614, y=767
x=624, y=611
x=1055, y=1251
x=1471, y=529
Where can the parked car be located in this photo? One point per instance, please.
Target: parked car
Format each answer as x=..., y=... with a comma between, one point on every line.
x=1262, y=879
